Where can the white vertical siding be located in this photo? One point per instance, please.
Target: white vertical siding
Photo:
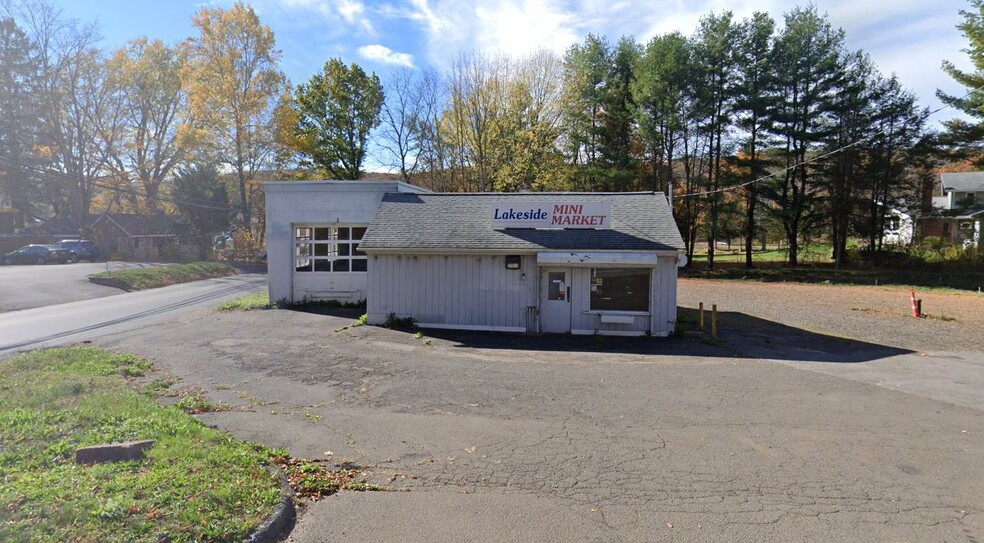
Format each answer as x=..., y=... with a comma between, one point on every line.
x=452, y=290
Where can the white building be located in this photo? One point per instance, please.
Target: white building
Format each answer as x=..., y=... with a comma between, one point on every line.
x=580, y=263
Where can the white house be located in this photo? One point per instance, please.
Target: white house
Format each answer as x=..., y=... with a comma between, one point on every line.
x=899, y=227
x=581, y=263
x=963, y=209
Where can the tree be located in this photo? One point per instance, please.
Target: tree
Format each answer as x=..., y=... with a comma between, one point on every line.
x=477, y=87
x=617, y=160
x=233, y=83
x=148, y=75
x=755, y=98
x=71, y=103
x=809, y=71
x=586, y=69
x=526, y=145
x=336, y=110
x=17, y=120
x=963, y=132
x=658, y=92
x=716, y=48
x=399, y=135
x=201, y=198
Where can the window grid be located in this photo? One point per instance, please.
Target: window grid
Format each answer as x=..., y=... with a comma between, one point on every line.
x=329, y=249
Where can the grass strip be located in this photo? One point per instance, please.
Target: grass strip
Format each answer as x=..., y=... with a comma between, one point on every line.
x=145, y=278
x=260, y=300
x=196, y=484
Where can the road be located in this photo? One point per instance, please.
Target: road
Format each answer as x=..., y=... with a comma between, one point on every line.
x=26, y=287
x=89, y=319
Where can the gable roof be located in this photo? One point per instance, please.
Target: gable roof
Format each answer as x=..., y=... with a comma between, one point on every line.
x=640, y=221
x=963, y=181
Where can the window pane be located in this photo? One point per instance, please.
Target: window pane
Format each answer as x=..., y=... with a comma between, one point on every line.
x=302, y=233
x=360, y=265
x=341, y=266
x=556, y=286
x=302, y=264
x=322, y=265
x=322, y=234
x=356, y=251
x=343, y=249
x=303, y=249
x=623, y=289
x=343, y=232
x=322, y=249
x=358, y=232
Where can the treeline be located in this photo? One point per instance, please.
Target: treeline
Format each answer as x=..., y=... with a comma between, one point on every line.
x=752, y=126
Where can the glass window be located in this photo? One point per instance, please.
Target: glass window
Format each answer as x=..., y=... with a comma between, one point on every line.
x=329, y=249
x=620, y=289
x=556, y=286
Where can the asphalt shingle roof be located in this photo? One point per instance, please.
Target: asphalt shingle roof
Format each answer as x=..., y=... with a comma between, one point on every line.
x=964, y=181
x=639, y=222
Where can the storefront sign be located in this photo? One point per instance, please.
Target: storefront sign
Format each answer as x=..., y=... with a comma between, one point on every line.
x=551, y=215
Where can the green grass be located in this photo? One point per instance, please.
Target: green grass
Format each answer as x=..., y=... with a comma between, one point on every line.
x=196, y=484
x=145, y=278
x=260, y=300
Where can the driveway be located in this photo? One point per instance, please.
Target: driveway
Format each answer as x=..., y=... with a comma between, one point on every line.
x=505, y=438
x=24, y=287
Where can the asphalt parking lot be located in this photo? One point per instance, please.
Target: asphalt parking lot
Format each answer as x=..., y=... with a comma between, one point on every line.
x=26, y=287
x=488, y=437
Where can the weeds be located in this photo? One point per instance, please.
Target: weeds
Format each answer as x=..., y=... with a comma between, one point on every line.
x=258, y=301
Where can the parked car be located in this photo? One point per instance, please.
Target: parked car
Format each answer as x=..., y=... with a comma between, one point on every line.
x=39, y=254
x=83, y=248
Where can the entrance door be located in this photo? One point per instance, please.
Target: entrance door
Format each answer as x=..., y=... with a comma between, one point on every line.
x=555, y=300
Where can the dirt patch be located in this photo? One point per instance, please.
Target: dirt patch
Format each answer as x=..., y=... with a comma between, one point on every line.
x=878, y=315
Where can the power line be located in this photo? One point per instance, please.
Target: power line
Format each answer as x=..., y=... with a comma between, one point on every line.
x=817, y=158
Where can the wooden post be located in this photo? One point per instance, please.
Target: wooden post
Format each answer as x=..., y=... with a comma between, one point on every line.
x=714, y=321
x=700, y=317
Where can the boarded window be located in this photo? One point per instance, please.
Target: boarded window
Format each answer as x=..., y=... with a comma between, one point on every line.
x=620, y=289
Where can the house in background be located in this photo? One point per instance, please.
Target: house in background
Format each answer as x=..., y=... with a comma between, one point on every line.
x=143, y=237
x=899, y=227
x=958, y=214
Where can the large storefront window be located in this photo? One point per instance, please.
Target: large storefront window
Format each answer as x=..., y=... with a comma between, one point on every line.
x=329, y=249
x=620, y=289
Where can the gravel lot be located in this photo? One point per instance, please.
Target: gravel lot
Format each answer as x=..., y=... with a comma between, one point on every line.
x=877, y=315
x=507, y=438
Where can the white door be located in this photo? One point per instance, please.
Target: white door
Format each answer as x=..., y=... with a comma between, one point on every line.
x=555, y=300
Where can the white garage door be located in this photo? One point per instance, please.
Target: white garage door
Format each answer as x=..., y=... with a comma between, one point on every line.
x=328, y=264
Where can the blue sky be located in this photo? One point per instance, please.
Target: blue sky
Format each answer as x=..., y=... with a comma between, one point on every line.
x=907, y=37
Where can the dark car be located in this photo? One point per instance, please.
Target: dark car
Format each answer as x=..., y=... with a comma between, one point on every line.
x=83, y=248
x=39, y=254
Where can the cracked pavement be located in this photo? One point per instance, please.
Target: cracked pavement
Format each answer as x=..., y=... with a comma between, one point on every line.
x=505, y=438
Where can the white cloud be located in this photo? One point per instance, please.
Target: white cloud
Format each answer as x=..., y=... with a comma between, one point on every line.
x=348, y=9
x=381, y=53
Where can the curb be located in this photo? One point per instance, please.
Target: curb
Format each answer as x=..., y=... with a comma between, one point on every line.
x=281, y=522
x=109, y=282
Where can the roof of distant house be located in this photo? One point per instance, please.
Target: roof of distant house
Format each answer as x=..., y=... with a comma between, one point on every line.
x=963, y=181
x=639, y=222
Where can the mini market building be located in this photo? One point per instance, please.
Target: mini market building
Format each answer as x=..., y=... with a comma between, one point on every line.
x=581, y=263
